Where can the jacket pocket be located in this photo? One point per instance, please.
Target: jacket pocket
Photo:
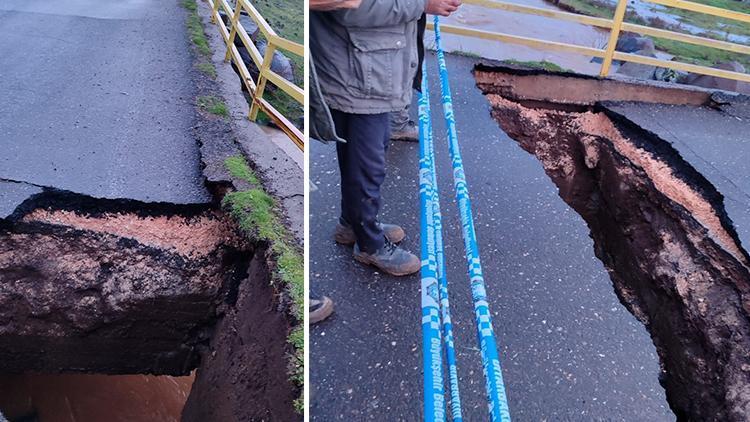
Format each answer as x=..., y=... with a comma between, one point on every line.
x=376, y=62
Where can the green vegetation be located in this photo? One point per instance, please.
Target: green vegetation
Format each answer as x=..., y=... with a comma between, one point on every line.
x=213, y=105
x=255, y=212
x=286, y=17
x=207, y=68
x=696, y=54
x=713, y=23
x=544, y=64
x=195, y=29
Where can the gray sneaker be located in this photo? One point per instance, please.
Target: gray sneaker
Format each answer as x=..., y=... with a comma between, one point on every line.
x=345, y=234
x=410, y=132
x=390, y=259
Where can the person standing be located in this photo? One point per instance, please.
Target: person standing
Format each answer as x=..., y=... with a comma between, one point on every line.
x=366, y=60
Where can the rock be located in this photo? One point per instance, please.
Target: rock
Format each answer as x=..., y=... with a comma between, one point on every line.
x=636, y=44
x=714, y=82
x=637, y=70
x=632, y=44
x=250, y=26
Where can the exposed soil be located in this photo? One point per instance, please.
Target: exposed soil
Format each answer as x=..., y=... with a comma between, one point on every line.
x=120, y=287
x=240, y=374
x=660, y=229
x=113, y=292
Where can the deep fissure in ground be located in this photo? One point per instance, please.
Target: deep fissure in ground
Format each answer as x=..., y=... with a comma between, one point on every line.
x=122, y=287
x=659, y=227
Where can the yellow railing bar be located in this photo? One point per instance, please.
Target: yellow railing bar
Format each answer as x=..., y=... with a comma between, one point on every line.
x=682, y=66
x=616, y=25
x=517, y=39
x=281, y=121
x=606, y=23
x=274, y=42
x=614, y=34
x=293, y=90
x=287, y=45
x=690, y=39
x=549, y=13
x=702, y=8
x=265, y=68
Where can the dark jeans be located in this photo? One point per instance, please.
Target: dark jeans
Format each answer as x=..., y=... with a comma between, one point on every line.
x=362, y=165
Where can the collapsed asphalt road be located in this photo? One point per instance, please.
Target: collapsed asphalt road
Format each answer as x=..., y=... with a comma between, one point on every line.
x=570, y=350
x=96, y=99
x=115, y=256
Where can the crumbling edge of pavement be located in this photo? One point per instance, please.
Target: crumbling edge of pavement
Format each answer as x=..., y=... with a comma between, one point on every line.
x=280, y=167
x=240, y=160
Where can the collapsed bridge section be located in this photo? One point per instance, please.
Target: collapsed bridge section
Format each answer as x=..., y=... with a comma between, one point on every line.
x=658, y=218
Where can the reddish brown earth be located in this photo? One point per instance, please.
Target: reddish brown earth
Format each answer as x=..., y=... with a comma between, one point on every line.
x=675, y=262
x=98, y=287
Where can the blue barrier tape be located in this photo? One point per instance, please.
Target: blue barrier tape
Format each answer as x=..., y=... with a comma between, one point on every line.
x=447, y=324
x=498, y=402
x=434, y=391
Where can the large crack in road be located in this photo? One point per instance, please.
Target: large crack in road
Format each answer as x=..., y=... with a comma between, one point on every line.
x=659, y=227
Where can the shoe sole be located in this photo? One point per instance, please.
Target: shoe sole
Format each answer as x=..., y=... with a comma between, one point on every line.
x=373, y=264
x=321, y=314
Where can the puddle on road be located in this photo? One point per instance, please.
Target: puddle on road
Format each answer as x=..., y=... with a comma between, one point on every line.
x=93, y=398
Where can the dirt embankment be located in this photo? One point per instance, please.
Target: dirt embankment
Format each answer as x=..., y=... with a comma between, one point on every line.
x=119, y=287
x=661, y=230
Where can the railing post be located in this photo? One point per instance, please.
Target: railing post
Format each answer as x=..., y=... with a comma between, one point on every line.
x=233, y=31
x=613, y=36
x=265, y=68
x=215, y=10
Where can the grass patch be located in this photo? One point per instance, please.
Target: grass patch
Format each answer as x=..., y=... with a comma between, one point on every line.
x=700, y=55
x=544, y=64
x=213, y=105
x=208, y=69
x=195, y=29
x=255, y=212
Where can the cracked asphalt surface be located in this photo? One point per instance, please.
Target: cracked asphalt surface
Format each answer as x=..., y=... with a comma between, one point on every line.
x=97, y=99
x=570, y=350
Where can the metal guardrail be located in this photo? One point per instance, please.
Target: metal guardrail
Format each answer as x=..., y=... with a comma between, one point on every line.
x=274, y=42
x=616, y=25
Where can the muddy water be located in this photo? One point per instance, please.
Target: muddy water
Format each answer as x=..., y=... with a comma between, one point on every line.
x=93, y=398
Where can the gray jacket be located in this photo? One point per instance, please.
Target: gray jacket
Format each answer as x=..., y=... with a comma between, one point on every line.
x=366, y=58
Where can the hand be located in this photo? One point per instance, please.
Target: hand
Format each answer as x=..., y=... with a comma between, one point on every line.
x=325, y=5
x=442, y=7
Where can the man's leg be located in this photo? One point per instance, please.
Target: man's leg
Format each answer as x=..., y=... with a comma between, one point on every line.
x=402, y=127
x=362, y=165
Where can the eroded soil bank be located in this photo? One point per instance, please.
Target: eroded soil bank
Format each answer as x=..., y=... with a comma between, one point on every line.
x=94, y=286
x=658, y=226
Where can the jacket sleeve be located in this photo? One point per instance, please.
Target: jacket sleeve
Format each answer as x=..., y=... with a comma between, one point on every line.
x=375, y=13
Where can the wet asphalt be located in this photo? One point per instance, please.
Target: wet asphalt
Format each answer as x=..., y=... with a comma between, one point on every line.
x=97, y=99
x=570, y=350
x=714, y=142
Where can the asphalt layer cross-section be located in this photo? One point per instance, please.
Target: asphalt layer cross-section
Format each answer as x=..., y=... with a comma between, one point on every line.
x=713, y=141
x=570, y=350
x=97, y=99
